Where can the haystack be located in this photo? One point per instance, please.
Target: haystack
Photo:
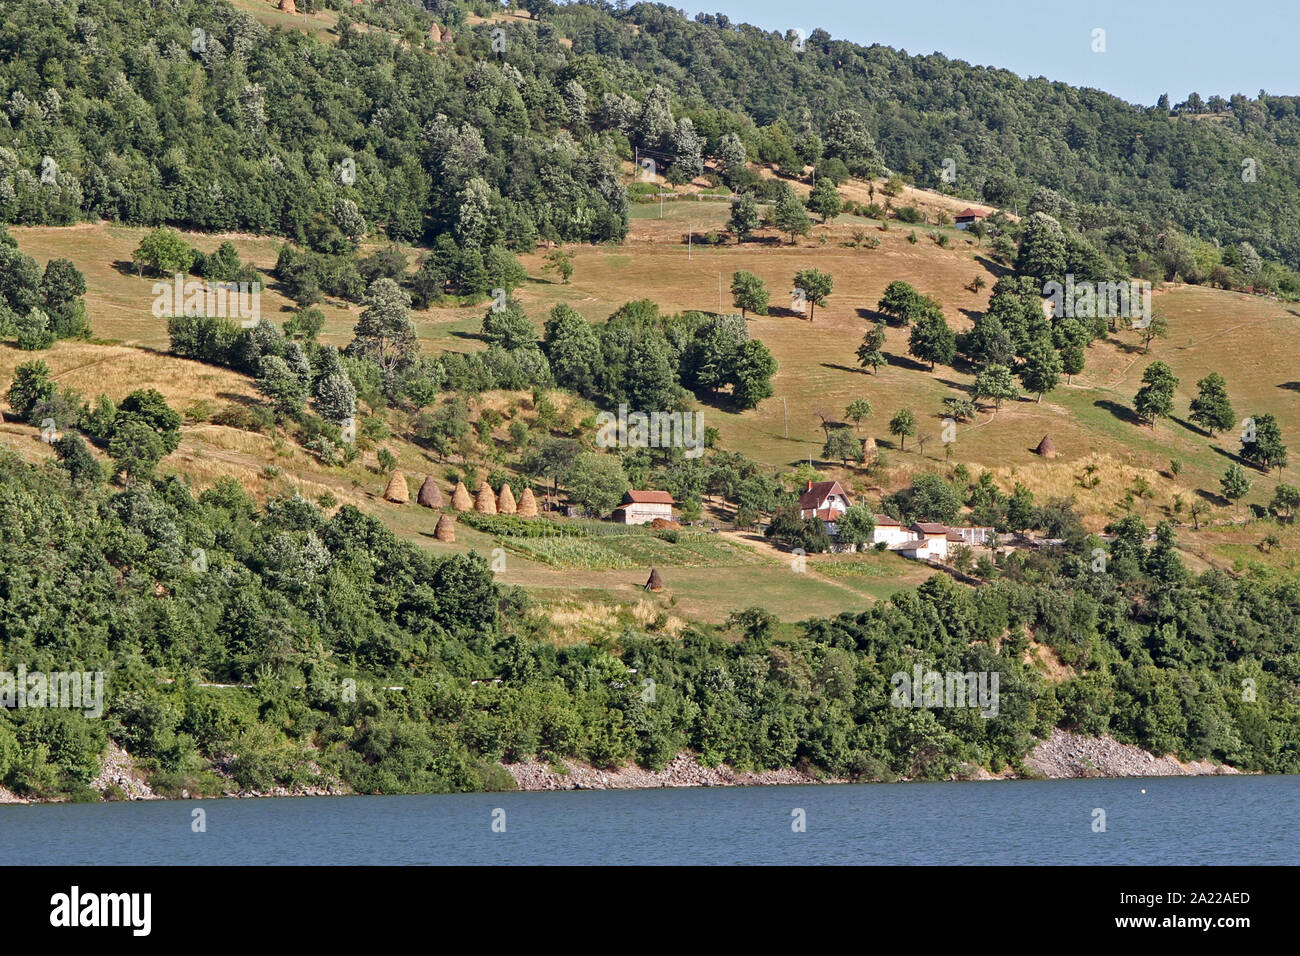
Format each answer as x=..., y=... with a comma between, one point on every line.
x=435, y=33
x=446, y=529
x=506, y=500
x=397, y=492
x=527, y=504
x=656, y=583
x=429, y=495
x=869, y=451
x=486, y=502
x=460, y=499
x=288, y=6
x=1046, y=448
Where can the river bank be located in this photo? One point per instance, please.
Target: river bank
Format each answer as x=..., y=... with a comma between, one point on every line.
x=1063, y=756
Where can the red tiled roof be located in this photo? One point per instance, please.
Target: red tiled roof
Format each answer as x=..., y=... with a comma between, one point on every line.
x=818, y=491
x=829, y=514
x=930, y=527
x=971, y=213
x=647, y=498
x=885, y=520
x=955, y=536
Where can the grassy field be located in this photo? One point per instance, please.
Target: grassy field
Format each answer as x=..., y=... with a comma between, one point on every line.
x=1103, y=452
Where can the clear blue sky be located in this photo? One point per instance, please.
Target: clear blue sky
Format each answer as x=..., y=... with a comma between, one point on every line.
x=1152, y=46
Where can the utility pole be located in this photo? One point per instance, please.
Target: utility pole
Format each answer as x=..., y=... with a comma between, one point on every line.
x=719, y=293
x=786, y=406
x=690, y=232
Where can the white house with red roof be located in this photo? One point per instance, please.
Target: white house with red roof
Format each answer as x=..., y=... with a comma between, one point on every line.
x=824, y=499
x=642, y=507
x=928, y=541
x=969, y=216
x=889, y=531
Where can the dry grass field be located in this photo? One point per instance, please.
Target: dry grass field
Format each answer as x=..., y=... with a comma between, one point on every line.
x=1103, y=456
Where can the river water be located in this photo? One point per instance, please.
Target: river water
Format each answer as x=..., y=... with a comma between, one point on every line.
x=1177, y=820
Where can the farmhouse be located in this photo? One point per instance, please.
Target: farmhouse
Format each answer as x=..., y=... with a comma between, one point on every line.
x=968, y=217
x=929, y=542
x=889, y=531
x=824, y=499
x=642, y=507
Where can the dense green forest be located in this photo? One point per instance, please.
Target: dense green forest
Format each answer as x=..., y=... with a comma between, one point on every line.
x=195, y=114
x=449, y=677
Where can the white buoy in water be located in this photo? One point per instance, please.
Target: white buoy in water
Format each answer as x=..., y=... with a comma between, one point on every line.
x=1144, y=791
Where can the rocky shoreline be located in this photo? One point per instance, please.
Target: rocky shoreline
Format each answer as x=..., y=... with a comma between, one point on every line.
x=1063, y=756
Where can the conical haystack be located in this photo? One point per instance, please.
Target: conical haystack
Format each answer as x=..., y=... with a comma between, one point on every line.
x=506, y=500
x=446, y=529
x=288, y=6
x=656, y=583
x=429, y=495
x=397, y=492
x=1046, y=448
x=460, y=499
x=869, y=450
x=527, y=504
x=486, y=502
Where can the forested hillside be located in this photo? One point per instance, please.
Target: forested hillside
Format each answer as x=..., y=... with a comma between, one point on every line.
x=196, y=114
x=219, y=509
x=362, y=659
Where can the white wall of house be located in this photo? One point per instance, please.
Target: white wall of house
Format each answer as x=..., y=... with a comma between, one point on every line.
x=890, y=534
x=926, y=549
x=832, y=501
x=645, y=512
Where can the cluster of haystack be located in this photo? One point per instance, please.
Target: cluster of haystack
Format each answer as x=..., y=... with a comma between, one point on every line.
x=484, y=502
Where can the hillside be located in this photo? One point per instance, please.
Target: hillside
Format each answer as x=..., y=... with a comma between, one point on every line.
x=465, y=252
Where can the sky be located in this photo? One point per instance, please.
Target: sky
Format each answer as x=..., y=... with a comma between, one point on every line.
x=1151, y=46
